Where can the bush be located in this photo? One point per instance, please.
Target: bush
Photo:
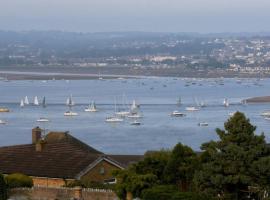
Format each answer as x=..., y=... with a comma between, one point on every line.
x=170, y=192
x=3, y=188
x=18, y=180
x=160, y=192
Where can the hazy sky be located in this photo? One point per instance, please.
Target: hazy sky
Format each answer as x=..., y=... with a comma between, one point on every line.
x=136, y=15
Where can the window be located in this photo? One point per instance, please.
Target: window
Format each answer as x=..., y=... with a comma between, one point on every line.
x=102, y=170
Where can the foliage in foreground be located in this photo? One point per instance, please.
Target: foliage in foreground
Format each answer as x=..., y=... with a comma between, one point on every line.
x=18, y=180
x=3, y=188
x=236, y=167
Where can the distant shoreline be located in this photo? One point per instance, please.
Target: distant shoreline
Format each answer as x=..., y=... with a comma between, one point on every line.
x=263, y=99
x=81, y=73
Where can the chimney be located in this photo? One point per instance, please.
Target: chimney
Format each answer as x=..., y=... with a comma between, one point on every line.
x=36, y=134
x=40, y=145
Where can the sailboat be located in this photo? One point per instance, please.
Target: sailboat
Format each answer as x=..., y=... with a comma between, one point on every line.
x=3, y=122
x=44, y=102
x=43, y=119
x=124, y=111
x=134, y=111
x=226, y=102
x=91, y=108
x=22, y=103
x=114, y=119
x=36, y=103
x=70, y=103
x=26, y=101
x=179, y=101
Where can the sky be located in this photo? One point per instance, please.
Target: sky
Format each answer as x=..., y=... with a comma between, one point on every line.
x=203, y=16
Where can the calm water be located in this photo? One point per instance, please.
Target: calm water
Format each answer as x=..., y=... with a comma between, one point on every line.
x=157, y=96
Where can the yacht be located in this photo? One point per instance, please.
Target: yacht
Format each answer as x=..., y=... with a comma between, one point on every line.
x=26, y=101
x=3, y=122
x=176, y=113
x=70, y=113
x=91, y=108
x=70, y=103
x=36, y=103
x=114, y=119
x=134, y=109
x=231, y=114
x=192, y=108
x=22, y=104
x=265, y=114
x=135, y=123
x=43, y=119
x=226, y=102
x=203, y=124
x=44, y=102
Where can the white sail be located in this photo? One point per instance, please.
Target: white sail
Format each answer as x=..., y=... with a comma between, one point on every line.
x=226, y=102
x=26, y=102
x=70, y=101
x=91, y=108
x=134, y=107
x=36, y=103
x=22, y=103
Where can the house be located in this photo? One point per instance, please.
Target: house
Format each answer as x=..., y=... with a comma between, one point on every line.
x=59, y=158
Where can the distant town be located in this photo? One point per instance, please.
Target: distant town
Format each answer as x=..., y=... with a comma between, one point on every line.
x=137, y=53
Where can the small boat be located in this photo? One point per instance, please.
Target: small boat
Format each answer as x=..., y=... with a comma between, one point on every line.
x=3, y=122
x=70, y=101
x=192, y=108
x=203, y=124
x=70, y=113
x=26, y=101
x=43, y=119
x=231, y=114
x=36, y=103
x=91, y=108
x=4, y=109
x=22, y=104
x=134, y=108
x=135, y=123
x=226, y=102
x=177, y=114
x=265, y=114
x=114, y=119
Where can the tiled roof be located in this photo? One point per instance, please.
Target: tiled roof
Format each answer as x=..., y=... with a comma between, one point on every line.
x=62, y=156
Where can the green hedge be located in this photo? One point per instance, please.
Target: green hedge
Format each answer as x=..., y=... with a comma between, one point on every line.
x=18, y=180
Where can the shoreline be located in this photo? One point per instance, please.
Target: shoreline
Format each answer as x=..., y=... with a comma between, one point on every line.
x=88, y=75
x=262, y=99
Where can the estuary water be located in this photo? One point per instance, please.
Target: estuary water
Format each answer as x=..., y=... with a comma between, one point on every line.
x=157, y=98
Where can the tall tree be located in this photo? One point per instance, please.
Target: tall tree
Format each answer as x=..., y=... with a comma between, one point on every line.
x=181, y=166
x=227, y=171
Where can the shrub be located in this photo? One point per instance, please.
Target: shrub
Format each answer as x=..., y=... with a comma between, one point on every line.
x=18, y=180
x=3, y=188
x=160, y=192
